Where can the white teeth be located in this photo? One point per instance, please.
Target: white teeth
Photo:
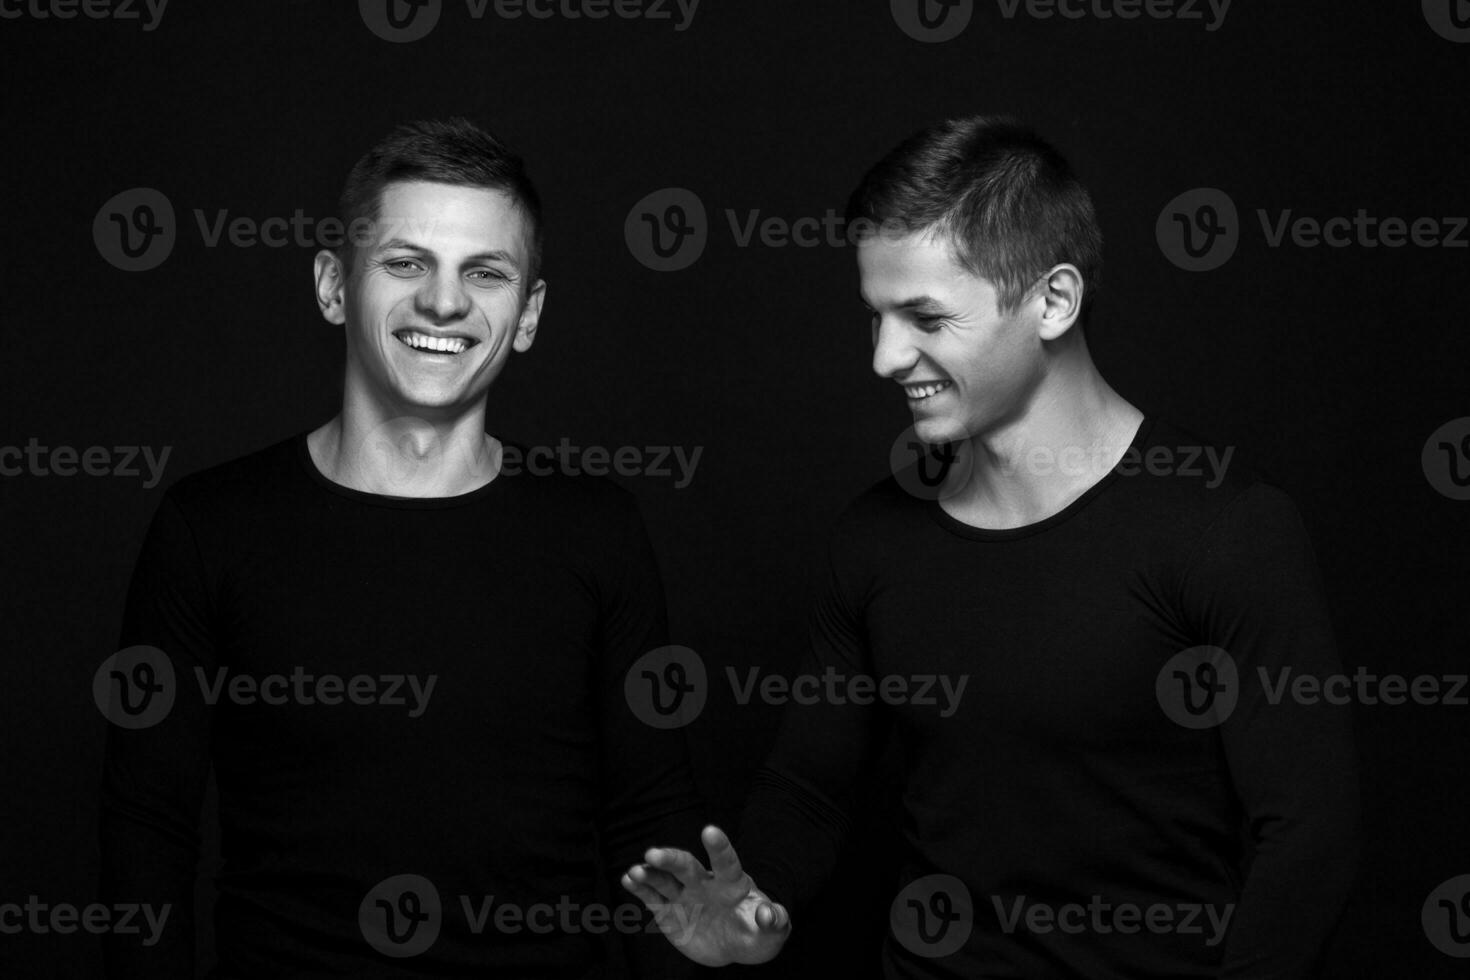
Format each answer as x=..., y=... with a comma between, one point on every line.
x=420, y=341
x=919, y=392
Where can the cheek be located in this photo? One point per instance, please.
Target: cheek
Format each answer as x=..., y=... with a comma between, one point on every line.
x=499, y=309
x=992, y=368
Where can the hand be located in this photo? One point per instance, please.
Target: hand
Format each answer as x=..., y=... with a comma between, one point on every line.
x=713, y=917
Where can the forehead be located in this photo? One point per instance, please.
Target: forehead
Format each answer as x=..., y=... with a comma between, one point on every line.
x=893, y=269
x=452, y=219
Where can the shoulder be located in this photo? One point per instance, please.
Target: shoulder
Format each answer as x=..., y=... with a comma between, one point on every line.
x=1186, y=483
x=1214, y=512
x=238, y=482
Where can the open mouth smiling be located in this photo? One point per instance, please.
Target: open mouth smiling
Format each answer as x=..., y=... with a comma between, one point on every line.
x=450, y=345
x=923, y=390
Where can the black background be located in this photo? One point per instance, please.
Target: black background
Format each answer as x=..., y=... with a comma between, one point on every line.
x=1331, y=365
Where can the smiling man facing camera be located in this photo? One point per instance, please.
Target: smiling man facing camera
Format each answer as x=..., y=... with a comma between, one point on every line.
x=1117, y=794
x=455, y=833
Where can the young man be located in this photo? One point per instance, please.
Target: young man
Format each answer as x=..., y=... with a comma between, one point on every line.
x=403, y=658
x=1118, y=792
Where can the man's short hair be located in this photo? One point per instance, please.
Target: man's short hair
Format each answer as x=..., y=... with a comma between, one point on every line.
x=1006, y=199
x=446, y=151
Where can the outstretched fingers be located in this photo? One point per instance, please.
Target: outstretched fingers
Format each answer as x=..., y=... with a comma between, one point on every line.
x=723, y=860
x=643, y=892
x=661, y=883
x=681, y=864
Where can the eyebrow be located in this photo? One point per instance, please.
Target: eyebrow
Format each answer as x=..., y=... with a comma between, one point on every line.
x=913, y=302
x=494, y=255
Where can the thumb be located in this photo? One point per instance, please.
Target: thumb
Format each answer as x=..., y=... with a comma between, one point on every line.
x=772, y=917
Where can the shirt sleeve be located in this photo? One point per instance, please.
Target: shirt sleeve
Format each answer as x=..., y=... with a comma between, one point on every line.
x=1252, y=588
x=649, y=790
x=796, y=817
x=154, y=775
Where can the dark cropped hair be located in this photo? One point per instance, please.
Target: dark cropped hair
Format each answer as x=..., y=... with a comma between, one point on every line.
x=446, y=151
x=1006, y=199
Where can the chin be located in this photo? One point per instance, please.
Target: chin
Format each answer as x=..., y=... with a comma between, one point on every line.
x=938, y=429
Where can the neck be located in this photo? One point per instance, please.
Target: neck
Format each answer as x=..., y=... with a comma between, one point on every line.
x=1072, y=430
x=406, y=451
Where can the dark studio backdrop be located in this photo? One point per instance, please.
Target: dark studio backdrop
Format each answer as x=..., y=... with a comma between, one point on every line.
x=1335, y=366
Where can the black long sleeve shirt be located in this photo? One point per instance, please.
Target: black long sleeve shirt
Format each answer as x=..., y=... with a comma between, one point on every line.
x=522, y=602
x=1058, y=788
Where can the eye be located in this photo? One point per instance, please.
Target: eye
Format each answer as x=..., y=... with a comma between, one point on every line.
x=488, y=275
x=929, y=324
x=403, y=267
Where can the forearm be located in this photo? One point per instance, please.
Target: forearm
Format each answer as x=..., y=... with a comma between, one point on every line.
x=1291, y=901
x=791, y=835
x=151, y=869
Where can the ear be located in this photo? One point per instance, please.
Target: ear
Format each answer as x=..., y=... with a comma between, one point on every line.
x=331, y=282
x=530, y=318
x=1061, y=292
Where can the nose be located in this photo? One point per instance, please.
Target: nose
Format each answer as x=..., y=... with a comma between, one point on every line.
x=893, y=354
x=443, y=298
